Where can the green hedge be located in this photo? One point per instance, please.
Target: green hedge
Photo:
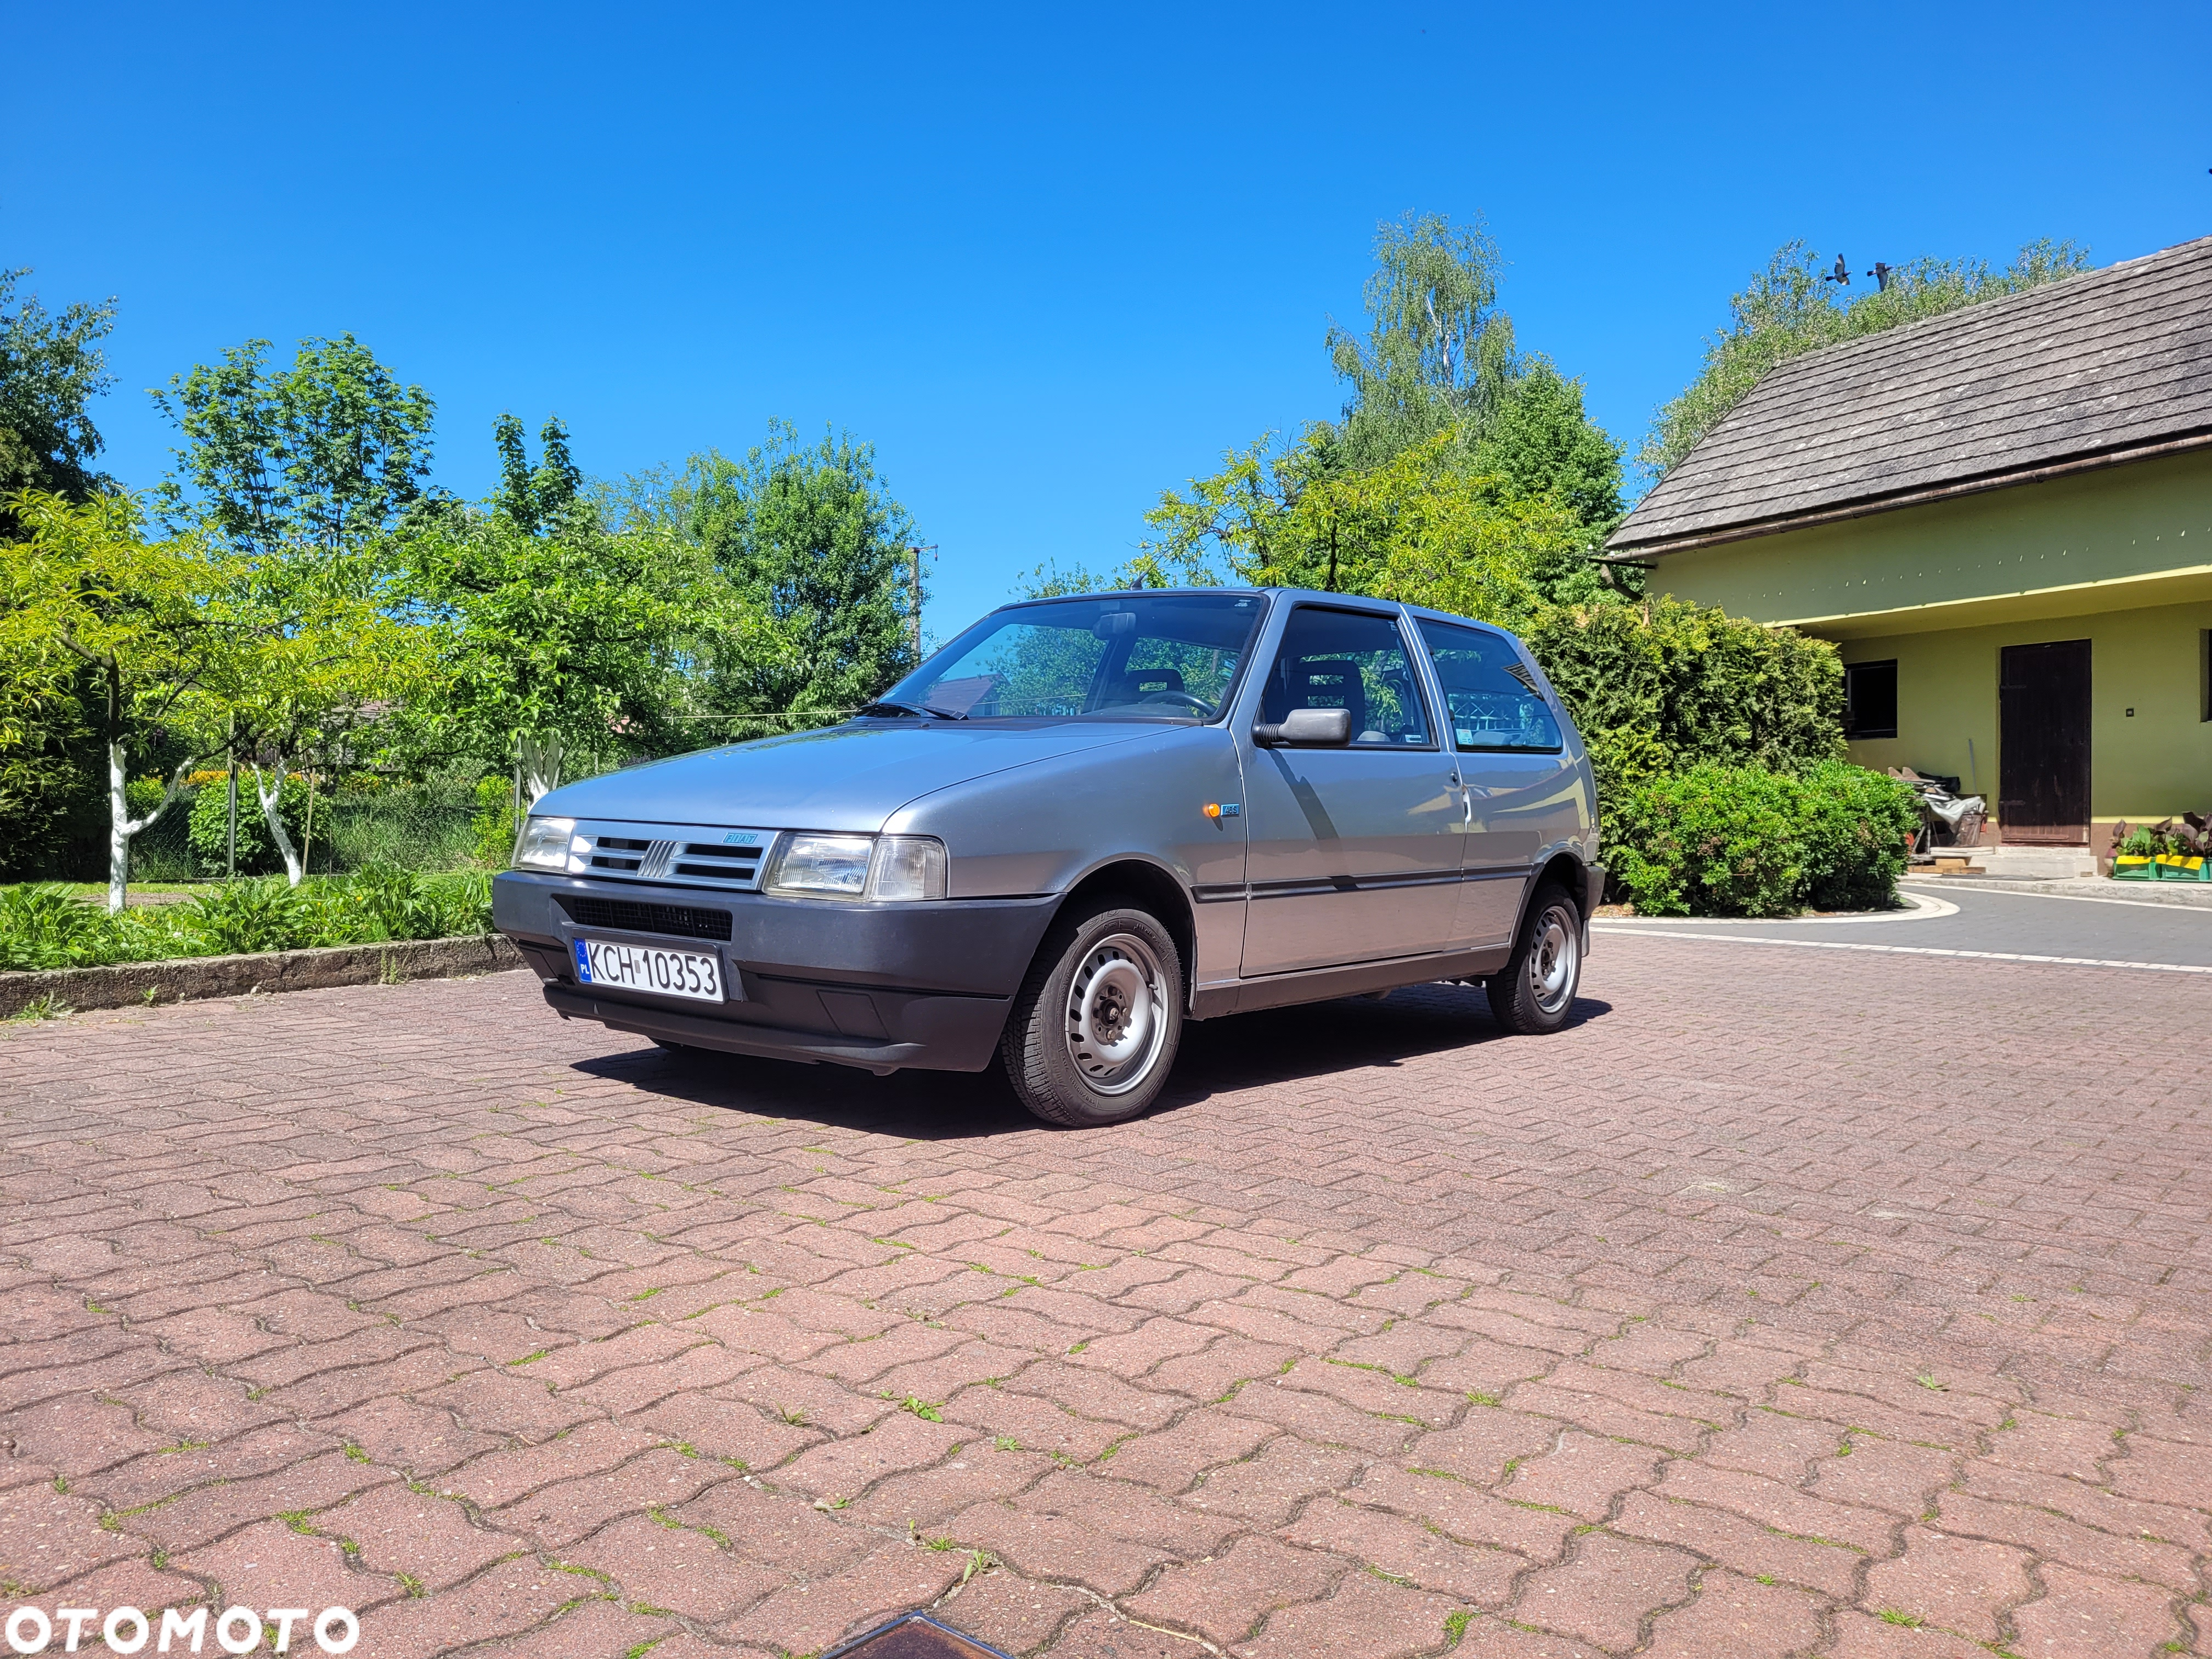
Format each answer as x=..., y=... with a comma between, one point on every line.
x=47, y=926
x=1690, y=684
x=1746, y=840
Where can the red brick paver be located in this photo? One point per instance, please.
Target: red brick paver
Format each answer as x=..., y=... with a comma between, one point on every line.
x=1832, y=1307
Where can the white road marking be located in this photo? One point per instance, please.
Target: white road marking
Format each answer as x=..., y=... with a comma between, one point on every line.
x=1902, y=950
x=2091, y=898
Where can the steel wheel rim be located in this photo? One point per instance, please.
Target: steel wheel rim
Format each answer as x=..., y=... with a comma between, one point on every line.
x=1117, y=1019
x=1552, y=956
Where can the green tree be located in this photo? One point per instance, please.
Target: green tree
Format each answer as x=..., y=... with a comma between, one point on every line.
x=320, y=456
x=149, y=623
x=576, y=642
x=1538, y=441
x=813, y=549
x=535, y=498
x=1421, y=528
x=1439, y=353
x=52, y=366
x=1509, y=481
x=1788, y=309
x=330, y=662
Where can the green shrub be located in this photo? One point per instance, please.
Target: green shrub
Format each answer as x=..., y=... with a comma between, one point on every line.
x=495, y=824
x=1742, y=841
x=1715, y=840
x=395, y=903
x=45, y=925
x=1856, y=827
x=1703, y=685
x=257, y=849
x=240, y=917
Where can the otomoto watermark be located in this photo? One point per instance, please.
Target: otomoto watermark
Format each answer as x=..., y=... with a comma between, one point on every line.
x=175, y=1630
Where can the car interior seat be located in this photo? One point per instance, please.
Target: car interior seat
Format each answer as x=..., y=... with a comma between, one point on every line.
x=1319, y=682
x=1139, y=684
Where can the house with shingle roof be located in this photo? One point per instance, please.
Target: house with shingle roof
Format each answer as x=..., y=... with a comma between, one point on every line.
x=2004, y=518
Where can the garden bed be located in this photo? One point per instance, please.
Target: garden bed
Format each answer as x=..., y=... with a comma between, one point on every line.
x=188, y=979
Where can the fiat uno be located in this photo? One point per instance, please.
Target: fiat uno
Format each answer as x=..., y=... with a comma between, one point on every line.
x=1079, y=824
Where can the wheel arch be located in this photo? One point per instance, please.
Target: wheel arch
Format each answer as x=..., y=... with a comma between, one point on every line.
x=1153, y=888
x=1569, y=872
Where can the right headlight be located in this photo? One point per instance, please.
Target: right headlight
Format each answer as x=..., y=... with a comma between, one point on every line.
x=544, y=844
x=865, y=867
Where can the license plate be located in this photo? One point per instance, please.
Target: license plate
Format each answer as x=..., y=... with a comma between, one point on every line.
x=694, y=975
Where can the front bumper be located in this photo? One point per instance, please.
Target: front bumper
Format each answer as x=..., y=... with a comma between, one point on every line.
x=879, y=986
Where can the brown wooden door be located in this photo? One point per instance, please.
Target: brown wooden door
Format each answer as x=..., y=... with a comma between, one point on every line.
x=2042, y=727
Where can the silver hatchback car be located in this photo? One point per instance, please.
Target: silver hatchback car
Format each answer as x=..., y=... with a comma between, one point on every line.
x=1082, y=822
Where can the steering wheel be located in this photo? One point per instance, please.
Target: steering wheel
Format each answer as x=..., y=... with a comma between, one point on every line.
x=1198, y=704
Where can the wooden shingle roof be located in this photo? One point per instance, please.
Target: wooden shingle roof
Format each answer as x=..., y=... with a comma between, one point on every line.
x=2099, y=368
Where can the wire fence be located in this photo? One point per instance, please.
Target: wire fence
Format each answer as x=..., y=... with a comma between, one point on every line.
x=428, y=827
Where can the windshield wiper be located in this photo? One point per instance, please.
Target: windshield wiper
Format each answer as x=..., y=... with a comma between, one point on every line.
x=884, y=706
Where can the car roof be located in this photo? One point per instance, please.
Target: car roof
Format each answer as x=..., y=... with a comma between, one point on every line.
x=1352, y=601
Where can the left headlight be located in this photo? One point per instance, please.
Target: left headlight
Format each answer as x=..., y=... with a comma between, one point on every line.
x=544, y=844
x=868, y=867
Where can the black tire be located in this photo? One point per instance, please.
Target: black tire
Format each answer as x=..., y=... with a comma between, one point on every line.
x=1534, y=992
x=1107, y=979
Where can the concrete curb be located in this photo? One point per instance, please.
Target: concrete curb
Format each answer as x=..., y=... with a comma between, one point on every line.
x=192, y=978
x=1916, y=907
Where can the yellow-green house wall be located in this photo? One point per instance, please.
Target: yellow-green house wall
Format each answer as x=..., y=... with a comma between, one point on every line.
x=2120, y=556
x=2150, y=764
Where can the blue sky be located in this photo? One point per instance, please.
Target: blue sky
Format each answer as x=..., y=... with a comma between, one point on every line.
x=1050, y=260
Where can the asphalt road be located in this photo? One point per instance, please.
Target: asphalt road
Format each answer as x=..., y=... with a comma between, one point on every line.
x=2008, y=924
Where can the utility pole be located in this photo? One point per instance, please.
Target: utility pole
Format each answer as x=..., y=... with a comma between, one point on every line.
x=913, y=594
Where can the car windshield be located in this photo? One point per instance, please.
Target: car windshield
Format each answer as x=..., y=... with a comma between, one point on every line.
x=1124, y=656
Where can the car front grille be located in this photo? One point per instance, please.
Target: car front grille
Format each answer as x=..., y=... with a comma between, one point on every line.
x=682, y=854
x=678, y=920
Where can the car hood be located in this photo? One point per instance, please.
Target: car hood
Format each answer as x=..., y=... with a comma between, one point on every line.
x=843, y=777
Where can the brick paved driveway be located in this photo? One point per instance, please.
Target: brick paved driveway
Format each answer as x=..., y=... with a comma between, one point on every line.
x=1854, y=1305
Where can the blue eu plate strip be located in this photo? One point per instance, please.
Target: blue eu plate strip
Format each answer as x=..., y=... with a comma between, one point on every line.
x=583, y=964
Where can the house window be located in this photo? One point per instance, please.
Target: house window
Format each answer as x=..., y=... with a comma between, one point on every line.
x=1871, y=699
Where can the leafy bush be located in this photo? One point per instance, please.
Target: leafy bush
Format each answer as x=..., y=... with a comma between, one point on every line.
x=257, y=849
x=495, y=824
x=1857, y=826
x=1743, y=841
x=1716, y=840
x=50, y=926
x=44, y=925
x=239, y=917
x=1696, y=684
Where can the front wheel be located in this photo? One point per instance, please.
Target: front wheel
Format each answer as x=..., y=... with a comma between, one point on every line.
x=1095, y=1027
x=1535, y=991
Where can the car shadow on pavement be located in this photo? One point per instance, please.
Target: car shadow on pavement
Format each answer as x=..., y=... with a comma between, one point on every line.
x=1244, y=1051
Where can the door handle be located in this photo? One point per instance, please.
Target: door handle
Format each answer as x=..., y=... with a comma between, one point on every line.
x=1466, y=796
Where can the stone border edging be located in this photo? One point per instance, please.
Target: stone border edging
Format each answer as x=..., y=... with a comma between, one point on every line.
x=193, y=978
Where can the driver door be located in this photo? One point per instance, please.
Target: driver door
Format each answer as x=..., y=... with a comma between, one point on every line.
x=1353, y=853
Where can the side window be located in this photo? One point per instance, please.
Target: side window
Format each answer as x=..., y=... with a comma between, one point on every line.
x=1492, y=697
x=1344, y=660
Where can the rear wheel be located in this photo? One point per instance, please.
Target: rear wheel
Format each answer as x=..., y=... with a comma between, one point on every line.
x=1096, y=1025
x=1534, y=992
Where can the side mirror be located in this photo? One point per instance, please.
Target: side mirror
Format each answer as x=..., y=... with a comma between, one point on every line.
x=1307, y=728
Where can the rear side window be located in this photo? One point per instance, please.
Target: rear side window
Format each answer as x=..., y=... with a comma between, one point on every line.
x=1490, y=695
